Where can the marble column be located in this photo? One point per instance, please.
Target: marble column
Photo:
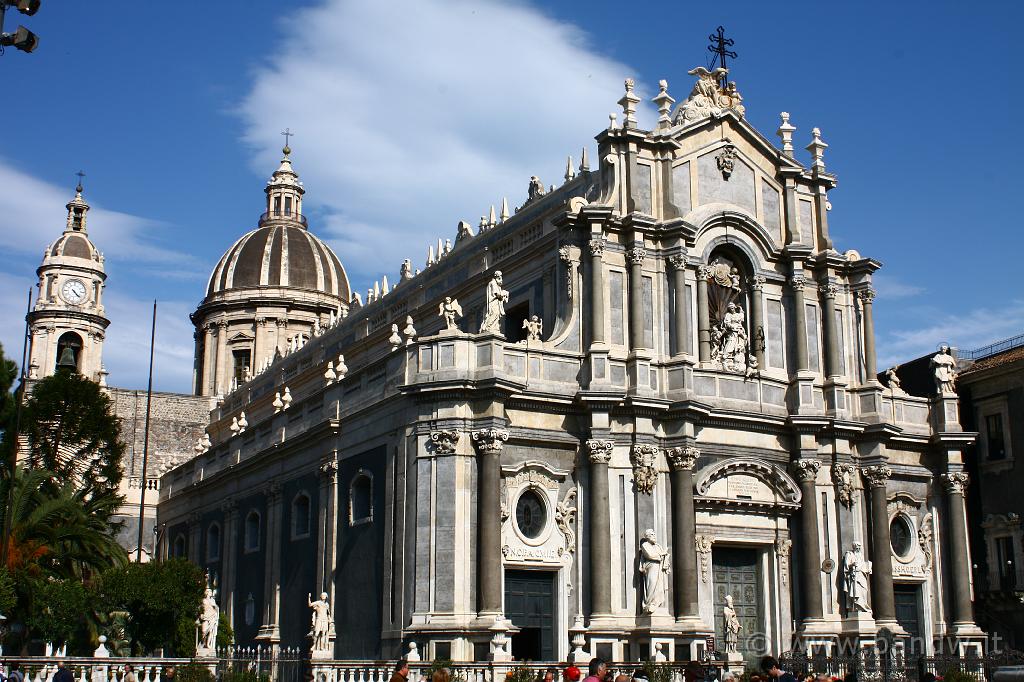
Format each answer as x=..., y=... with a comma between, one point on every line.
x=635, y=258
x=596, y=293
x=799, y=321
x=960, y=565
x=678, y=266
x=209, y=378
x=883, y=604
x=684, y=575
x=870, y=364
x=270, y=629
x=829, y=329
x=489, y=444
x=327, y=527
x=599, y=452
x=806, y=472
x=221, y=358
x=703, y=315
x=229, y=563
x=757, y=318
x=257, y=344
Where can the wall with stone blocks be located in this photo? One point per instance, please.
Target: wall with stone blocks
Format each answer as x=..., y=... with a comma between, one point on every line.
x=177, y=421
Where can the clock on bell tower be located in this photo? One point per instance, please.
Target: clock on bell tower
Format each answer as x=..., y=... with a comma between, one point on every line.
x=68, y=323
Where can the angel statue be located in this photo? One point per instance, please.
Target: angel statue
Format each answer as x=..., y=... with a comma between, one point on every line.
x=450, y=310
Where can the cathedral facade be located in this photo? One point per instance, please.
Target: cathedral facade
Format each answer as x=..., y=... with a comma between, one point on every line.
x=638, y=415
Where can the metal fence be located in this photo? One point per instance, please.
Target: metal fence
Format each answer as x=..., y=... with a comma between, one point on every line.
x=876, y=665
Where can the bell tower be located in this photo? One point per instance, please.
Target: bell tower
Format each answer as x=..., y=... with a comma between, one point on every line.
x=67, y=323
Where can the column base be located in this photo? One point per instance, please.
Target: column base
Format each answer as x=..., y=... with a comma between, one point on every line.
x=967, y=638
x=817, y=635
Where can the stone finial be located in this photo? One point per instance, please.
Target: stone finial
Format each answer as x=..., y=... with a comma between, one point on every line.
x=330, y=376
x=409, y=331
x=492, y=219
x=413, y=654
x=504, y=209
x=584, y=161
x=376, y=290
x=430, y=255
x=234, y=425
x=395, y=339
x=817, y=149
x=440, y=249
x=385, y=288
x=278, y=402
x=612, y=125
x=785, y=133
x=340, y=367
x=570, y=172
x=243, y=423
x=628, y=104
x=286, y=397
x=664, y=102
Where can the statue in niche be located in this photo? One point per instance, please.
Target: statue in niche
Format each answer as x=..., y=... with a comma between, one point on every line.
x=731, y=626
x=496, y=298
x=730, y=343
x=209, y=619
x=451, y=311
x=655, y=564
x=729, y=340
x=534, y=327
x=321, y=622
x=944, y=366
x=856, y=570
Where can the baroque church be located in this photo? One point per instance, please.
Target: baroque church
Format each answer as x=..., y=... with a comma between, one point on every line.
x=638, y=415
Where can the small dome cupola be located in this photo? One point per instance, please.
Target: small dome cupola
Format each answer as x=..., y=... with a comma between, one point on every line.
x=77, y=208
x=284, y=192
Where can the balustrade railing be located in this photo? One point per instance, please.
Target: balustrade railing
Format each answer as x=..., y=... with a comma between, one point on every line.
x=43, y=668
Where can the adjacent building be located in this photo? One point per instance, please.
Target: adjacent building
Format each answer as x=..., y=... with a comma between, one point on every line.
x=584, y=427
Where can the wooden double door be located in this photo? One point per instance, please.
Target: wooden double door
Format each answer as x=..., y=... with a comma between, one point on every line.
x=736, y=572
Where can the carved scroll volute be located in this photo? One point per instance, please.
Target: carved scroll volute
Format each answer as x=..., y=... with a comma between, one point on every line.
x=805, y=470
x=599, y=451
x=489, y=441
x=682, y=458
x=445, y=441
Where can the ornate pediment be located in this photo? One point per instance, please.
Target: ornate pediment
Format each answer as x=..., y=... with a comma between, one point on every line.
x=747, y=480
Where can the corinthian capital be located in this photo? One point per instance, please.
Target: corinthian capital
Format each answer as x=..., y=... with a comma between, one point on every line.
x=876, y=476
x=797, y=282
x=955, y=482
x=636, y=255
x=829, y=289
x=806, y=469
x=682, y=458
x=866, y=295
x=596, y=247
x=489, y=441
x=677, y=262
x=445, y=441
x=599, y=451
x=757, y=282
x=703, y=272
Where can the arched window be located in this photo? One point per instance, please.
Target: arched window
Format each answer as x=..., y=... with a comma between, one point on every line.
x=360, y=498
x=252, y=532
x=178, y=549
x=213, y=542
x=300, y=516
x=69, y=348
x=729, y=312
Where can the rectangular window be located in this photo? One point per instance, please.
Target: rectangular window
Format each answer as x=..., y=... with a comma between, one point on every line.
x=1007, y=563
x=773, y=334
x=242, y=358
x=287, y=205
x=994, y=436
x=813, y=353
x=277, y=205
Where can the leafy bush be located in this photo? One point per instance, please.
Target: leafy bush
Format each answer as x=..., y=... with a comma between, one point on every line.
x=957, y=675
x=244, y=676
x=194, y=672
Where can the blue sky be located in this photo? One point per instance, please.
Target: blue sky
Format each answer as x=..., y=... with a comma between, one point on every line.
x=413, y=115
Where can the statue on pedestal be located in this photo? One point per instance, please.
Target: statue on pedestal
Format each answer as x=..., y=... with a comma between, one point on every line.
x=731, y=626
x=321, y=621
x=495, y=300
x=944, y=366
x=209, y=619
x=534, y=328
x=654, y=565
x=855, y=580
x=451, y=311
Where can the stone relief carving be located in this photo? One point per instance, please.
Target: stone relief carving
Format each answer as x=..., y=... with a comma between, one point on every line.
x=531, y=476
x=708, y=97
x=495, y=298
x=843, y=475
x=677, y=262
x=876, y=476
x=682, y=457
x=645, y=476
x=944, y=366
x=777, y=479
x=534, y=327
x=655, y=565
x=565, y=519
x=599, y=451
x=703, y=543
x=565, y=256
x=445, y=441
x=729, y=342
x=726, y=160
x=490, y=440
x=856, y=570
x=782, y=548
x=451, y=311
x=924, y=539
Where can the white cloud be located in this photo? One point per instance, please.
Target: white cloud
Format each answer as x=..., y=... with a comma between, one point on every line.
x=973, y=329
x=34, y=215
x=415, y=114
x=126, y=348
x=890, y=286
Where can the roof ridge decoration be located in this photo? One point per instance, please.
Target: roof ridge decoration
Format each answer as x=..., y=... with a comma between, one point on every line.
x=708, y=98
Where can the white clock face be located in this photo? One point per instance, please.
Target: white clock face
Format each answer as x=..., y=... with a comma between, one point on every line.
x=73, y=291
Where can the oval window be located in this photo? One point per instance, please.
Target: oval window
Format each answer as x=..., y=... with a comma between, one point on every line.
x=530, y=514
x=901, y=536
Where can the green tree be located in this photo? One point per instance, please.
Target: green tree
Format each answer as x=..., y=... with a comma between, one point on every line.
x=8, y=373
x=61, y=608
x=162, y=600
x=69, y=427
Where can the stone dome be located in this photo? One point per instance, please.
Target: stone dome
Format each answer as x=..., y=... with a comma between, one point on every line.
x=280, y=254
x=74, y=245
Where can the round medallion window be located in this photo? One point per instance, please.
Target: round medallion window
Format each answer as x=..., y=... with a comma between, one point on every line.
x=901, y=536
x=531, y=514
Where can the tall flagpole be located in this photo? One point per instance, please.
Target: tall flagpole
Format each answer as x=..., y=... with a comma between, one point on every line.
x=145, y=441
